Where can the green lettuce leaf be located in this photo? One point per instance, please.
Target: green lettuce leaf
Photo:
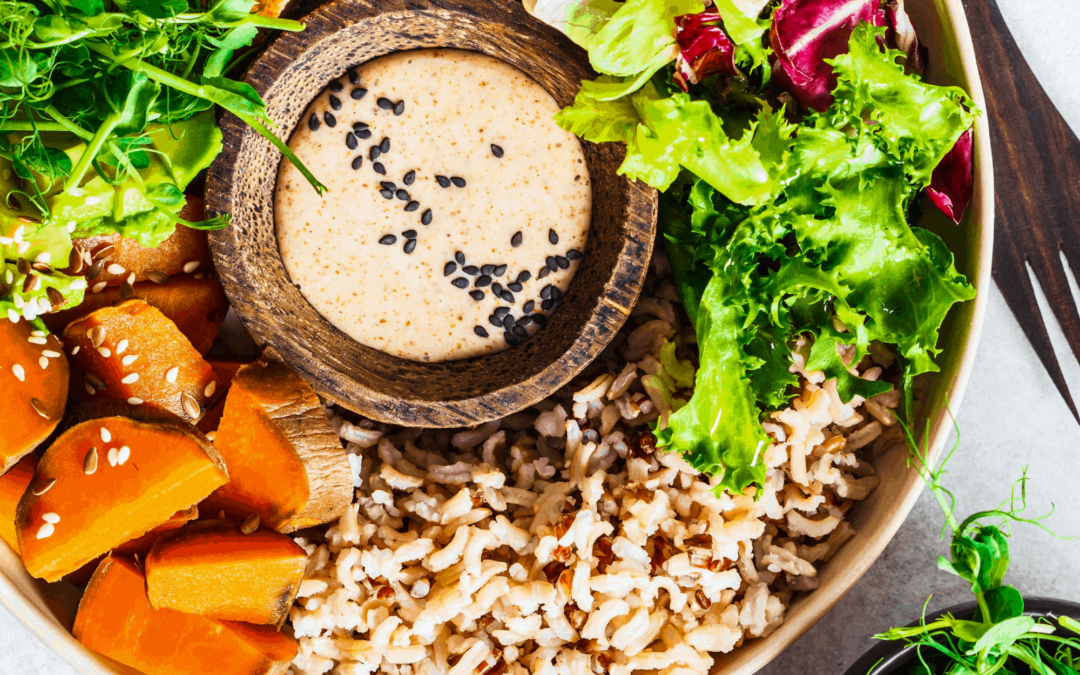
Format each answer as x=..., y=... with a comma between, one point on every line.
x=636, y=34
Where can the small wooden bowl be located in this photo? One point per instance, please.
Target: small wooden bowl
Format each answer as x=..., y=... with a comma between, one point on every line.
x=289, y=74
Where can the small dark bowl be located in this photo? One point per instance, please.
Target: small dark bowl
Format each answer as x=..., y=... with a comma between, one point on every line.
x=892, y=658
x=288, y=75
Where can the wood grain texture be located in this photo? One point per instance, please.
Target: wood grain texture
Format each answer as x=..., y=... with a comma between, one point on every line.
x=1037, y=171
x=291, y=72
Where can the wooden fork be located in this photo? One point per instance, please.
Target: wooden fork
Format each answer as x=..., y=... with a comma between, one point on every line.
x=1037, y=180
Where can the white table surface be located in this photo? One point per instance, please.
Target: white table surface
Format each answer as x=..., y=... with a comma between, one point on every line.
x=1011, y=417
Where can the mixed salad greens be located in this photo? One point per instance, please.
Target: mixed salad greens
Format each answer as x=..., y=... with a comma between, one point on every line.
x=999, y=638
x=106, y=115
x=791, y=140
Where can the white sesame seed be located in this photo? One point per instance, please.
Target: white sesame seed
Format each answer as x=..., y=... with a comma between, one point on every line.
x=172, y=373
x=43, y=257
x=210, y=389
x=23, y=247
x=19, y=371
x=43, y=362
x=105, y=352
x=89, y=389
x=115, y=269
x=106, y=435
x=113, y=456
x=12, y=315
x=191, y=266
x=121, y=346
x=29, y=313
x=135, y=401
x=123, y=455
x=131, y=279
x=6, y=241
x=129, y=359
x=93, y=201
x=51, y=517
x=34, y=340
x=78, y=284
x=37, y=333
x=71, y=227
x=211, y=435
x=76, y=350
x=50, y=353
x=18, y=234
x=131, y=378
x=46, y=531
x=98, y=287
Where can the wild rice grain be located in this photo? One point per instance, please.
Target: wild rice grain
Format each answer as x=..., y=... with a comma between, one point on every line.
x=388, y=240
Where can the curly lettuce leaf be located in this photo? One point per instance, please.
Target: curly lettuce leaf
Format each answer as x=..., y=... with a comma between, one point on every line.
x=636, y=34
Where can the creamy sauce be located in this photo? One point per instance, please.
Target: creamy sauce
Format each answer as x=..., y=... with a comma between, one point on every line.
x=517, y=202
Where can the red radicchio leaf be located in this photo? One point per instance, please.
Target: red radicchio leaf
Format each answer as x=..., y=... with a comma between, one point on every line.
x=805, y=33
x=951, y=184
x=902, y=36
x=704, y=49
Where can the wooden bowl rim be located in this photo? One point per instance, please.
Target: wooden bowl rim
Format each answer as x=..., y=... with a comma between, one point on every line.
x=606, y=313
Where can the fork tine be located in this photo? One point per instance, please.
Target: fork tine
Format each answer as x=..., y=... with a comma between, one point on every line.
x=1012, y=278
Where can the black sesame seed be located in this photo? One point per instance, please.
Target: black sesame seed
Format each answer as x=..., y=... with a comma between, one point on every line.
x=482, y=280
x=388, y=185
x=508, y=297
x=496, y=150
x=562, y=262
x=374, y=152
x=388, y=239
x=403, y=195
x=528, y=306
x=457, y=181
x=476, y=295
x=481, y=331
x=524, y=276
x=364, y=134
x=556, y=294
x=412, y=206
x=399, y=107
x=495, y=321
x=313, y=122
x=551, y=264
x=358, y=93
x=350, y=141
x=573, y=254
x=487, y=269
x=335, y=86
x=357, y=162
x=384, y=144
x=330, y=120
x=410, y=246
x=409, y=234
x=520, y=331
x=515, y=287
x=385, y=103
x=515, y=240
x=379, y=168
x=460, y=257
x=461, y=282
x=540, y=319
x=353, y=77
x=545, y=292
x=544, y=271
x=497, y=289
x=359, y=126
x=553, y=236
x=443, y=181
x=409, y=178
x=388, y=194
x=509, y=322
x=500, y=270
x=470, y=269
x=449, y=268
x=525, y=321
x=547, y=304
x=511, y=339
x=501, y=311
x=335, y=102
x=426, y=218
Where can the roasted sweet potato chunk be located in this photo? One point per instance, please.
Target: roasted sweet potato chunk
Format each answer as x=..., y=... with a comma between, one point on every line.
x=12, y=486
x=34, y=380
x=197, y=307
x=185, y=252
x=212, y=568
x=286, y=464
x=112, y=480
x=225, y=369
x=116, y=620
x=137, y=355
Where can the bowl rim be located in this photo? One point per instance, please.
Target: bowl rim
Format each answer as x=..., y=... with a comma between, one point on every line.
x=595, y=320
x=755, y=654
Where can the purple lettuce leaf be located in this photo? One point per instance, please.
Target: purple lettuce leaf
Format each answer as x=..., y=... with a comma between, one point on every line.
x=704, y=49
x=901, y=35
x=951, y=184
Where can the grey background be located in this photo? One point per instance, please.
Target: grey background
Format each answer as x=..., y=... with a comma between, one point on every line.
x=1011, y=417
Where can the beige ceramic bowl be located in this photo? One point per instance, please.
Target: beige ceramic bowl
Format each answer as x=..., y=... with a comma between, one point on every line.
x=942, y=26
